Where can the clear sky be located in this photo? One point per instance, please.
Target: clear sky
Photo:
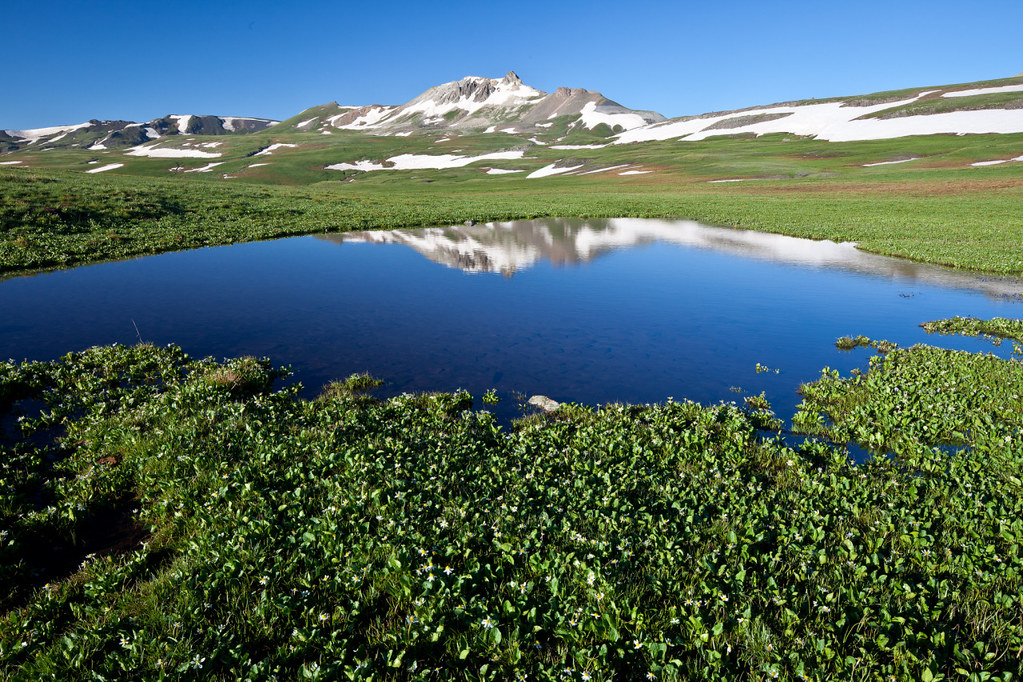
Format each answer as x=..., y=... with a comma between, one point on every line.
x=67, y=62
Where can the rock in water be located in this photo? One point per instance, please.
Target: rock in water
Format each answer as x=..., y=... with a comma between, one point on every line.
x=544, y=403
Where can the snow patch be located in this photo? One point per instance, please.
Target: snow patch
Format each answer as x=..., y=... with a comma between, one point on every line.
x=8, y=163
x=501, y=171
x=836, y=123
x=984, y=91
x=591, y=118
x=171, y=153
x=635, y=172
x=370, y=118
x=183, y=122
x=730, y=180
x=990, y=163
x=271, y=148
x=257, y=165
x=889, y=163
x=362, y=165
x=404, y=134
x=303, y=124
x=552, y=170
x=35, y=134
x=424, y=161
x=230, y=123
x=103, y=169
x=608, y=169
x=98, y=147
x=207, y=168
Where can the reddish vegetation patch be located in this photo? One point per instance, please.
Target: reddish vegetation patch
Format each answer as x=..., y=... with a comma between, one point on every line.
x=910, y=188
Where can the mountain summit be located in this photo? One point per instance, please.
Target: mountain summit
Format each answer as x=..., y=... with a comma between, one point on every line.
x=483, y=103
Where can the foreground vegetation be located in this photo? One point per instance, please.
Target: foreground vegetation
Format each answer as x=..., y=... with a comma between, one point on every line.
x=171, y=518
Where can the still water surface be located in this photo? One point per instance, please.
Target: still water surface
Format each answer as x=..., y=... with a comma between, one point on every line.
x=588, y=311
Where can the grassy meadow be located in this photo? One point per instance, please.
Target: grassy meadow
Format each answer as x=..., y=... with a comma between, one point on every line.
x=167, y=517
x=936, y=208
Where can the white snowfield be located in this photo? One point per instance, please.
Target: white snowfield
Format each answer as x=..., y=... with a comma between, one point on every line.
x=996, y=162
x=607, y=169
x=231, y=122
x=552, y=170
x=207, y=168
x=9, y=163
x=373, y=116
x=889, y=163
x=591, y=118
x=103, y=169
x=35, y=134
x=835, y=123
x=171, y=153
x=984, y=91
x=271, y=148
x=183, y=122
x=502, y=171
x=425, y=161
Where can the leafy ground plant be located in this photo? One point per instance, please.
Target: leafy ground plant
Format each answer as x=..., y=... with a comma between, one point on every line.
x=412, y=538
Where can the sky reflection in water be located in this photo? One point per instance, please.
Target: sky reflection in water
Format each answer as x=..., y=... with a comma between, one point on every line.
x=588, y=311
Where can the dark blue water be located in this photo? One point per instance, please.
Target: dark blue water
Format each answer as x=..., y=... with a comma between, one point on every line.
x=587, y=312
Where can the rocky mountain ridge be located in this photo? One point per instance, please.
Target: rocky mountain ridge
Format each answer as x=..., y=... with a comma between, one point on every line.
x=100, y=135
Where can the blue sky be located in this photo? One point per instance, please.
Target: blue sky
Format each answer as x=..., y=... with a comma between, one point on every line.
x=67, y=62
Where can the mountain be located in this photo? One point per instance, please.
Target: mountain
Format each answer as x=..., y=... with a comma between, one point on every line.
x=99, y=135
x=484, y=104
x=481, y=128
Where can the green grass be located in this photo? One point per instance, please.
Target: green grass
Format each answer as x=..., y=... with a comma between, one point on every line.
x=936, y=209
x=941, y=105
x=995, y=329
x=260, y=535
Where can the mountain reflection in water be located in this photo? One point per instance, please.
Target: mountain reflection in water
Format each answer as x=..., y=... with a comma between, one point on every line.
x=509, y=247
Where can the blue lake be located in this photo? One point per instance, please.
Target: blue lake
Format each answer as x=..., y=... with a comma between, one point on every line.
x=588, y=311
